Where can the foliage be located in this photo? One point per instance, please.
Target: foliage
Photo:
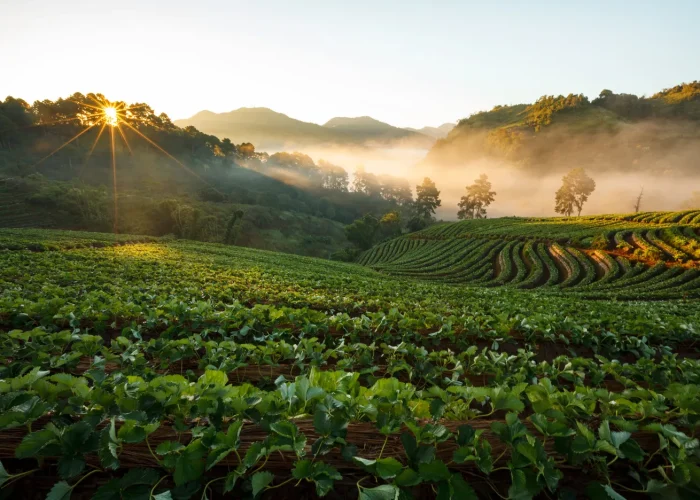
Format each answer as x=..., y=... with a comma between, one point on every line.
x=207, y=369
x=541, y=112
x=576, y=187
x=478, y=197
x=427, y=199
x=616, y=131
x=363, y=231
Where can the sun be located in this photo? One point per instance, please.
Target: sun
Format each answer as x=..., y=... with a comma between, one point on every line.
x=111, y=117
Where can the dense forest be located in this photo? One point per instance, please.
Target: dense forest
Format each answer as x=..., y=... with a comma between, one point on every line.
x=613, y=132
x=56, y=171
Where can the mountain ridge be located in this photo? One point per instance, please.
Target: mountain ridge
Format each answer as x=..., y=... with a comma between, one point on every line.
x=272, y=130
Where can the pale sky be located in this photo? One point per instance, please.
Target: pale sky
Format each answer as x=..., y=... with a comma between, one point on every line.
x=409, y=63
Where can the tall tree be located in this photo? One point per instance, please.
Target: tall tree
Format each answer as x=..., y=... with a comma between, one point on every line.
x=478, y=197
x=334, y=178
x=427, y=199
x=366, y=182
x=576, y=187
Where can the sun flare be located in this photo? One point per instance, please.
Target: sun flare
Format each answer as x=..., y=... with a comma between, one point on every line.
x=111, y=117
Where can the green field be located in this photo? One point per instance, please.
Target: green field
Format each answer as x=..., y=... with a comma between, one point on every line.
x=136, y=367
x=644, y=256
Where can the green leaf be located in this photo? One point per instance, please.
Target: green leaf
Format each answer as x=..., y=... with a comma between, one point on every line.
x=528, y=451
x=254, y=453
x=70, y=466
x=60, y=491
x=302, y=469
x=4, y=476
x=388, y=467
x=519, y=489
x=384, y=467
x=190, y=464
x=461, y=490
x=463, y=454
x=383, y=492
x=484, y=459
x=614, y=495
x=597, y=491
x=108, y=449
x=233, y=477
x=166, y=495
x=33, y=443
x=260, y=480
x=131, y=432
x=108, y=491
x=437, y=408
x=631, y=449
x=139, y=476
x=465, y=435
x=168, y=447
x=408, y=477
x=434, y=471
x=285, y=428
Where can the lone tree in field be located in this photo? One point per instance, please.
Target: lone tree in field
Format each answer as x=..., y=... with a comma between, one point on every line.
x=574, y=192
x=479, y=196
x=427, y=199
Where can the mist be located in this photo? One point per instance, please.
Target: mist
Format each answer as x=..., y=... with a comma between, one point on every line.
x=662, y=158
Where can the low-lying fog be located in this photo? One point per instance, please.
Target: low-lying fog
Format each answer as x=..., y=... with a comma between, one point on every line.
x=518, y=193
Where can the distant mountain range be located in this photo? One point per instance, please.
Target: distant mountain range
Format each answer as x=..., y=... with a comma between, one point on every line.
x=436, y=132
x=272, y=131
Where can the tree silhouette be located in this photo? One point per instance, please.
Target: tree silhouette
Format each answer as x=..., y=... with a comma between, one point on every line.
x=427, y=198
x=576, y=187
x=478, y=197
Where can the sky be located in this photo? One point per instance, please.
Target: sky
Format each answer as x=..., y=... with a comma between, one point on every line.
x=410, y=63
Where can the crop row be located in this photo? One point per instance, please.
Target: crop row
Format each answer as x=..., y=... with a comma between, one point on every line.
x=490, y=261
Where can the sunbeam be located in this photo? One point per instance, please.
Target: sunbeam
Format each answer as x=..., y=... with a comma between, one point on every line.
x=62, y=146
x=121, y=132
x=168, y=155
x=114, y=181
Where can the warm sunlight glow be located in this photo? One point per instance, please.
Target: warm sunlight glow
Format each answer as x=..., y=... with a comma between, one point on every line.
x=111, y=116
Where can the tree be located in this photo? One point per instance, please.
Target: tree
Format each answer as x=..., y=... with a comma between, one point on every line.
x=574, y=192
x=478, y=197
x=427, y=199
x=638, y=203
x=230, y=236
x=390, y=224
x=366, y=182
x=361, y=233
x=333, y=177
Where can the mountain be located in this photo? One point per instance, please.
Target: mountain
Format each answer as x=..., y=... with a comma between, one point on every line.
x=270, y=130
x=436, y=132
x=611, y=133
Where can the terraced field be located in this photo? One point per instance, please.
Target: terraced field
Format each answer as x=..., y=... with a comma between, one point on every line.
x=653, y=255
x=15, y=212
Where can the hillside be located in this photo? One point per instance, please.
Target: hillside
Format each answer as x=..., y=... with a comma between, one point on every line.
x=272, y=131
x=437, y=132
x=136, y=367
x=611, y=133
x=653, y=254
x=56, y=171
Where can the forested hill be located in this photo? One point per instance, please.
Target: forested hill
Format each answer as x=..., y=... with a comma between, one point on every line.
x=56, y=171
x=613, y=132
